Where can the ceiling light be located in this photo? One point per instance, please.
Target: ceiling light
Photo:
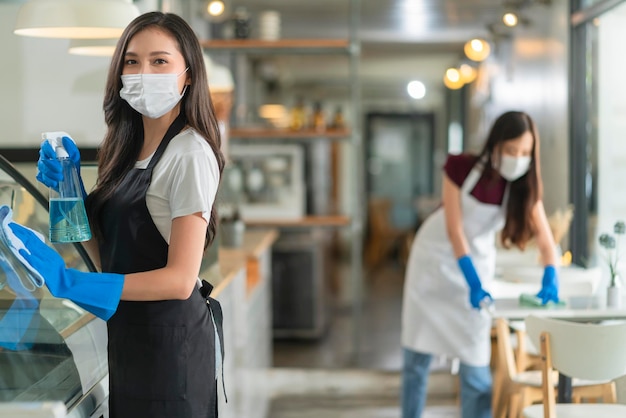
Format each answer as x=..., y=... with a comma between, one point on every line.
x=452, y=79
x=416, y=89
x=93, y=47
x=80, y=19
x=510, y=19
x=215, y=8
x=468, y=73
x=453, y=75
x=477, y=49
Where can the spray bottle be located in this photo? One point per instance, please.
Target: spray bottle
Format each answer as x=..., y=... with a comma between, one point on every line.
x=68, y=218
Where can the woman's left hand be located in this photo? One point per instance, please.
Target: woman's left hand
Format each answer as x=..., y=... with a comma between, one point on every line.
x=549, y=285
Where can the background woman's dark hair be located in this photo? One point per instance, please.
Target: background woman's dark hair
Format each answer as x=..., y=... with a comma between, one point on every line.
x=123, y=140
x=525, y=191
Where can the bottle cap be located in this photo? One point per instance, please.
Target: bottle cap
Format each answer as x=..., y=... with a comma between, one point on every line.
x=56, y=140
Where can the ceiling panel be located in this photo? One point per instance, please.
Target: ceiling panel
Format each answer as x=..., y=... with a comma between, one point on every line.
x=386, y=21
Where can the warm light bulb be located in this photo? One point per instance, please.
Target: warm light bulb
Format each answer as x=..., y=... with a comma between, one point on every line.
x=477, y=49
x=468, y=73
x=215, y=8
x=510, y=19
x=452, y=79
x=453, y=74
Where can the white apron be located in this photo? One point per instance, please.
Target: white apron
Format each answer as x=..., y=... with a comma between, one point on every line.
x=437, y=317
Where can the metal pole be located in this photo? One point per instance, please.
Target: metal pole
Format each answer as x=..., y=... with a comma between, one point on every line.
x=359, y=188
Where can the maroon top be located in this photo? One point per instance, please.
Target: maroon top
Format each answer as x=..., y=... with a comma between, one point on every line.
x=488, y=190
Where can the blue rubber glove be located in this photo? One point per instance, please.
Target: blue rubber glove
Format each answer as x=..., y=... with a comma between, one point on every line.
x=49, y=171
x=477, y=293
x=98, y=293
x=549, y=285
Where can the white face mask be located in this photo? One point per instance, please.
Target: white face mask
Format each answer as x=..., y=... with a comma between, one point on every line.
x=512, y=168
x=152, y=95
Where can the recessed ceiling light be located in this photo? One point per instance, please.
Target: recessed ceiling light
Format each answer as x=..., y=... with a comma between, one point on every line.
x=215, y=8
x=510, y=19
x=416, y=89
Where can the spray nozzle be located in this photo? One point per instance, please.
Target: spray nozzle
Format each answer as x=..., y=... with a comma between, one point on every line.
x=56, y=140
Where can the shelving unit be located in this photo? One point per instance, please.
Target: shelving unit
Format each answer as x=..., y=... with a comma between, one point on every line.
x=283, y=46
x=353, y=221
x=265, y=134
x=306, y=222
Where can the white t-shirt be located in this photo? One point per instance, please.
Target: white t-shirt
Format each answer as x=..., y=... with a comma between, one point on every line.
x=184, y=181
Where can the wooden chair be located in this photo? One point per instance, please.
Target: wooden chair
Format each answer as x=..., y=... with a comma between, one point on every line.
x=515, y=389
x=383, y=236
x=584, y=351
x=526, y=358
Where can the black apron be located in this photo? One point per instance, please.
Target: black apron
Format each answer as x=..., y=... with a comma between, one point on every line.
x=161, y=353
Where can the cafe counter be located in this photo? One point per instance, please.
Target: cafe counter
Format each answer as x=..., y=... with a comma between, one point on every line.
x=242, y=284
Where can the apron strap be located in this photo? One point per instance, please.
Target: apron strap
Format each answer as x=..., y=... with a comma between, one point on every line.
x=473, y=177
x=174, y=129
x=218, y=319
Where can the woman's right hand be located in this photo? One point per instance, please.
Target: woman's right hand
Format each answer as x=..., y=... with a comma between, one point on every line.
x=477, y=294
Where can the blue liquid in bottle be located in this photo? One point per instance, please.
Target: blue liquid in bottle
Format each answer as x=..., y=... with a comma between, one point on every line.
x=68, y=220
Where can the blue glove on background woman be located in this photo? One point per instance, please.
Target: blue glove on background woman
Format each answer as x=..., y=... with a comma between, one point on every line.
x=98, y=293
x=49, y=170
x=549, y=285
x=477, y=293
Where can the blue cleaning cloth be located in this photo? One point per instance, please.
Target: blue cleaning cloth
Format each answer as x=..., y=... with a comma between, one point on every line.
x=32, y=278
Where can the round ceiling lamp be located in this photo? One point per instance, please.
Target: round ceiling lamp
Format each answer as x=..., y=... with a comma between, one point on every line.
x=452, y=79
x=93, y=47
x=79, y=19
x=477, y=49
x=468, y=73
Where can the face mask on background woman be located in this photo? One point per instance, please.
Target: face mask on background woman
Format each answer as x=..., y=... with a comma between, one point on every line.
x=512, y=168
x=152, y=95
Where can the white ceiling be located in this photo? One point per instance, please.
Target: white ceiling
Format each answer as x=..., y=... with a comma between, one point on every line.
x=389, y=21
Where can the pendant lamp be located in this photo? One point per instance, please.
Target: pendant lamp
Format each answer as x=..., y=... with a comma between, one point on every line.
x=93, y=47
x=79, y=19
x=477, y=49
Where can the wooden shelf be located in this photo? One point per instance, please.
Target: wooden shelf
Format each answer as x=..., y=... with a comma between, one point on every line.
x=321, y=46
x=269, y=133
x=305, y=222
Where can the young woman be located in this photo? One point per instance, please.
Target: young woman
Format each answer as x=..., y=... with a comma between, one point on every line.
x=152, y=216
x=452, y=261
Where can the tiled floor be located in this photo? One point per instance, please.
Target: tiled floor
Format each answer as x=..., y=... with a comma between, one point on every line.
x=343, y=382
x=379, y=346
x=355, y=407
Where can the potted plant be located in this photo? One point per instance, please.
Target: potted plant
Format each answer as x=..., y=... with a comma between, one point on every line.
x=611, y=244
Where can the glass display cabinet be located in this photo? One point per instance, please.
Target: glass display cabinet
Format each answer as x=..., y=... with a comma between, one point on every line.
x=58, y=351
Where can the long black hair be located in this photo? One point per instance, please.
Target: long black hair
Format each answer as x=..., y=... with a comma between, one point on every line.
x=123, y=139
x=526, y=190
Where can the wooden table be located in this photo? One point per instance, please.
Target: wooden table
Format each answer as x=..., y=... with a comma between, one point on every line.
x=509, y=309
